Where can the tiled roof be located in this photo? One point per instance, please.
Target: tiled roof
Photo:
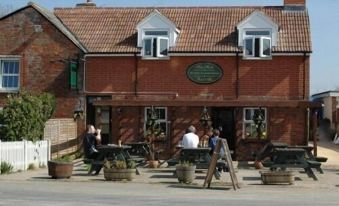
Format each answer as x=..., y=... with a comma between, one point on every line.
x=202, y=29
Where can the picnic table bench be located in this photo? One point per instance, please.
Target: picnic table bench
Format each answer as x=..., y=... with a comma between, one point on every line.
x=284, y=158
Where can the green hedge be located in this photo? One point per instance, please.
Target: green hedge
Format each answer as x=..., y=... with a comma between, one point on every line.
x=25, y=115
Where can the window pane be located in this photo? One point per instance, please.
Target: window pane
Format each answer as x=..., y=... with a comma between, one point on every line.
x=248, y=114
x=6, y=67
x=249, y=47
x=161, y=114
x=15, y=81
x=147, y=47
x=16, y=68
x=156, y=33
x=250, y=131
x=266, y=47
x=259, y=33
x=4, y=81
x=257, y=47
x=163, y=47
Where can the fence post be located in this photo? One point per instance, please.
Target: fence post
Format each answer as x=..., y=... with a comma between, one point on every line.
x=25, y=154
x=0, y=156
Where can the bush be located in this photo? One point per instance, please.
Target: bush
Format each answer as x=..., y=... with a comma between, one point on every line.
x=25, y=115
x=6, y=168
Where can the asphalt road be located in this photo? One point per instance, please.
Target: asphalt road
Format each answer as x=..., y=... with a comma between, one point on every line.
x=60, y=193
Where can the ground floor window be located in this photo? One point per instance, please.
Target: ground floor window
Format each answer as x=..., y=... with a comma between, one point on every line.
x=255, y=123
x=160, y=124
x=9, y=74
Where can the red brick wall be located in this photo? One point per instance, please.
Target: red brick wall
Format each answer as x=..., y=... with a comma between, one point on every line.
x=42, y=65
x=284, y=125
x=280, y=78
x=41, y=54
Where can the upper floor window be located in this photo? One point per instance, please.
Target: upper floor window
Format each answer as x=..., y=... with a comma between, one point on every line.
x=257, y=44
x=155, y=44
x=9, y=74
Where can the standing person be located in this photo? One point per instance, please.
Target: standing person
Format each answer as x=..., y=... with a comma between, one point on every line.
x=213, y=144
x=89, y=143
x=190, y=139
x=213, y=140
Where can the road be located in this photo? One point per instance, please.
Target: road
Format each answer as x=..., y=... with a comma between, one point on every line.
x=61, y=193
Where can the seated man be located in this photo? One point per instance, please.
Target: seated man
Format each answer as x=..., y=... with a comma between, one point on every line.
x=190, y=139
x=89, y=143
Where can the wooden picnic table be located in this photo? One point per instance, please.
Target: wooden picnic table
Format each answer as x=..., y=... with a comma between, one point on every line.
x=141, y=149
x=112, y=151
x=284, y=158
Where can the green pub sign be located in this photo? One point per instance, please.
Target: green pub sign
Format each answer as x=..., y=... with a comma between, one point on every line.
x=204, y=72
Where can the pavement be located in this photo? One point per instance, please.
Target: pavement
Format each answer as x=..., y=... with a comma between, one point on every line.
x=160, y=187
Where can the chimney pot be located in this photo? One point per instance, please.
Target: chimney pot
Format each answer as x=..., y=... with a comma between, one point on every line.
x=294, y=5
x=88, y=3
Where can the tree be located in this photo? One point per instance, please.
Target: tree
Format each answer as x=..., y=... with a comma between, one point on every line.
x=25, y=115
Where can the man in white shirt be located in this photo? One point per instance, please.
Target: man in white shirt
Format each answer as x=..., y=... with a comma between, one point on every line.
x=190, y=139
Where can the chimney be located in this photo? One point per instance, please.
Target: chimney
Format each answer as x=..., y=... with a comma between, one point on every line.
x=89, y=3
x=294, y=5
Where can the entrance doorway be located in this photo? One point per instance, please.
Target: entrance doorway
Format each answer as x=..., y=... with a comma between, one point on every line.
x=100, y=117
x=223, y=119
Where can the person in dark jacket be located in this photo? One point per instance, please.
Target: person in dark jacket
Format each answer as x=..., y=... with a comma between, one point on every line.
x=89, y=143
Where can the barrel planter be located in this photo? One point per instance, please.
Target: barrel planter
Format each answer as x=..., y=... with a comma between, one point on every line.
x=185, y=174
x=59, y=170
x=277, y=177
x=119, y=174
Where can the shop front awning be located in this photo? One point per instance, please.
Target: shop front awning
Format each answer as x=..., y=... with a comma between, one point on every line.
x=207, y=103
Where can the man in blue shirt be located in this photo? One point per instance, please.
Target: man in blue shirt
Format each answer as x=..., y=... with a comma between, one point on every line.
x=213, y=143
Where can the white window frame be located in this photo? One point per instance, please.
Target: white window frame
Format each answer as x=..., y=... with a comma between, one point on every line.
x=144, y=46
x=245, y=121
x=262, y=46
x=262, y=38
x=158, y=120
x=9, y=89
x=156, y=38
x=158, y=46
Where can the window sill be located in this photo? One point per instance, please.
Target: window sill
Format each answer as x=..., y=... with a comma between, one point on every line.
x=155, y=58
x=257, y=58
x=9, y=91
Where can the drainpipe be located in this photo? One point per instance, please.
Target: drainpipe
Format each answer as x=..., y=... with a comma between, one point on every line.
x=308, y=125
x=136, y=74
x=237, y=77
x=304, y=77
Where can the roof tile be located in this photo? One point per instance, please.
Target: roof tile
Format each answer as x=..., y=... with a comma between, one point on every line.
x=202, y=29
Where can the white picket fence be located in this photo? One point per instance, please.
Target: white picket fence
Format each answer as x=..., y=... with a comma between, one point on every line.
x=21, y=154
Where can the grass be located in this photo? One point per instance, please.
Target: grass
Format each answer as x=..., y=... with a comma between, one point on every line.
x=6, y=168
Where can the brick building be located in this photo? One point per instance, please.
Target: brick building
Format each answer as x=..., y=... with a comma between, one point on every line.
x=236, y=63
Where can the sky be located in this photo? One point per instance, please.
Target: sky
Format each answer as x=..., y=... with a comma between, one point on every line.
x=324, y=17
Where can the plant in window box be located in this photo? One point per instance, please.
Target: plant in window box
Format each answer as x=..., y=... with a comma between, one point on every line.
x=119, y=170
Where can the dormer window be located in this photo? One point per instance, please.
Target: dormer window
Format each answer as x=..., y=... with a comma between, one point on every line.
x=257, y=44
x=155, y=44
x=257, y=34
x=156, y=34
